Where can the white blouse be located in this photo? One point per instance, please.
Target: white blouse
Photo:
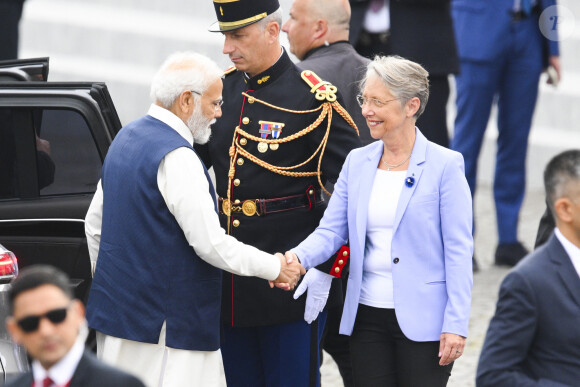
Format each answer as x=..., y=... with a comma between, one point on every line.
x=377, y=281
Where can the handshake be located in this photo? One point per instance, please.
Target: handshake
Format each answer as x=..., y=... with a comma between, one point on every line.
x=290, y=271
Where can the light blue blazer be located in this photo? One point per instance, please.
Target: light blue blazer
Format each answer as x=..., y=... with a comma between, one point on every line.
x=432, y=239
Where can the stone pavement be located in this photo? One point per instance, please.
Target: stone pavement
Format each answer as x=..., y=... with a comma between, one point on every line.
x=485, y=283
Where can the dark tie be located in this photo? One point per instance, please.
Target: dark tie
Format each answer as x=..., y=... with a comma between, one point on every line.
x=526, y=6
x=47, y=382
x=377, y=4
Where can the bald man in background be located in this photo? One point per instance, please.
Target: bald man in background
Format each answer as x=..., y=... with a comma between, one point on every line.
x=318, y=35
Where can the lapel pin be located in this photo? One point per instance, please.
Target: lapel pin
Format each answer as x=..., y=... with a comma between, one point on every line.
x=409, y=181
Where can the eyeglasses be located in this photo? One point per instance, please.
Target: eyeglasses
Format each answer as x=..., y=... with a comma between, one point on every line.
x=30, y=324
x=372, y=101
x=216, y=104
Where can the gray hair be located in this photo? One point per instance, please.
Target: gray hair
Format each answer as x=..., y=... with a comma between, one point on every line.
x=275, y=16
x=560, y=173
x=404, y=79
x=183, y=71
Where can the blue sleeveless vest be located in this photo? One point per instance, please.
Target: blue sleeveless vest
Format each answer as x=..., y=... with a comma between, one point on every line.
x=147, y=273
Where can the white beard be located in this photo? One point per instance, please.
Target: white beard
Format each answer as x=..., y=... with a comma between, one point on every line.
x=199, y=125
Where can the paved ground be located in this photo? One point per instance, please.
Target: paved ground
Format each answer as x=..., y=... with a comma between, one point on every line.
x=485, y=284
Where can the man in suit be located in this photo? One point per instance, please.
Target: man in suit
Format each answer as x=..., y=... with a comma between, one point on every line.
x=533, y=338
x=48, y=322
x=318, y=34
x=502, y=53
x=283, y=135
x=418, y=30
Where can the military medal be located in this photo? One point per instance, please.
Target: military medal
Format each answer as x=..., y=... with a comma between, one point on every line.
x=266, y=128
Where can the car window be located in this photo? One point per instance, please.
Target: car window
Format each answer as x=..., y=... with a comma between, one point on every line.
x=46, y=152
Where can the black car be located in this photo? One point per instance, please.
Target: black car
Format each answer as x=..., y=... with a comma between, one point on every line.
x=53, y=139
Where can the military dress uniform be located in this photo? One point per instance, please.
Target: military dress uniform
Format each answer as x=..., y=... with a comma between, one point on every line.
x=272, y=210
x=281, y=137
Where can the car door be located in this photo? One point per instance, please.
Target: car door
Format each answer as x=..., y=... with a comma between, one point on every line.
x=53, y=140
x=35, y=69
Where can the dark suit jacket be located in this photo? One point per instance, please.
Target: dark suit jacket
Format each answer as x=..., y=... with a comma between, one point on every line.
x=90, y=372
x=534, y=337
x=340, y=65
x=421, y=31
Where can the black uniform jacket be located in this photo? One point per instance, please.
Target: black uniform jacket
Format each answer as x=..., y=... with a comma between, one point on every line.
x=249, y=301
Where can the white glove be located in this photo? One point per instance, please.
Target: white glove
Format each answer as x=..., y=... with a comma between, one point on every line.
x=318, y=285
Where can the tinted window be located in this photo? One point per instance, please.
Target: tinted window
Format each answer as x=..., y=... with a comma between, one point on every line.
x=46, y=152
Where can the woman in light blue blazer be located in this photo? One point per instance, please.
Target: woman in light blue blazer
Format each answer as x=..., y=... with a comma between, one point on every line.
x=404, y=205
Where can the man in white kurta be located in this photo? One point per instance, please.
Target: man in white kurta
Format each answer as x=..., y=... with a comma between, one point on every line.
x=184, y=187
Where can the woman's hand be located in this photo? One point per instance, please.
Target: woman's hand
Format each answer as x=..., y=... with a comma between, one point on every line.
x=450, y=348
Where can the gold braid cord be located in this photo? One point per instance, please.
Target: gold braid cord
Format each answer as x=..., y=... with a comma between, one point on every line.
x=236, y=149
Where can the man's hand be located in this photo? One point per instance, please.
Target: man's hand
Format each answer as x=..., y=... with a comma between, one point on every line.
x=554, y=62
x=290, y=273
x=318, y=285
x=450, y=348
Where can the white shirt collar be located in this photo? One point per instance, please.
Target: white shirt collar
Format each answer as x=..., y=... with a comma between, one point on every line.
x=572, y=250
x=62, y=372
x=172, y=120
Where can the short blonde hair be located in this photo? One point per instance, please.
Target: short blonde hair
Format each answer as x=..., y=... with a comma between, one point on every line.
x=405, y=79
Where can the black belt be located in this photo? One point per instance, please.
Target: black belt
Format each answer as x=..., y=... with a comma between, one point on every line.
x=521, y=15
x=262, y=207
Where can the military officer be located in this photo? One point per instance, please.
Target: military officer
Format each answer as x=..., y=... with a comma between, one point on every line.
x=282, y=136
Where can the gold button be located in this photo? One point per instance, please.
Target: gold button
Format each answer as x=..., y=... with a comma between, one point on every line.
x=243, y=141
x=237, y=182
x=236, y=223
x=341, y=262
x=237, y=201
x=251, y=100
x=240, y=161
x=337, y=270
x=344, y=253
x=311, y=192
x=245, y=120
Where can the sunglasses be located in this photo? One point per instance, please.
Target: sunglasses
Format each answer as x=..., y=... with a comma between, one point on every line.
x=30, y=324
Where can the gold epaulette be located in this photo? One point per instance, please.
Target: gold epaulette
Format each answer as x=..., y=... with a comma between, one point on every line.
x=324, y=90
x=229, y=70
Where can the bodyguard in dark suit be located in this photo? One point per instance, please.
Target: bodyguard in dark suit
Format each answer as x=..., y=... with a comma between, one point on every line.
x=533, y=338
x=318, y=33
x=281, y=137
x=421, y=31
x=90, y=372
x=47, y=321
x=502, y=54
